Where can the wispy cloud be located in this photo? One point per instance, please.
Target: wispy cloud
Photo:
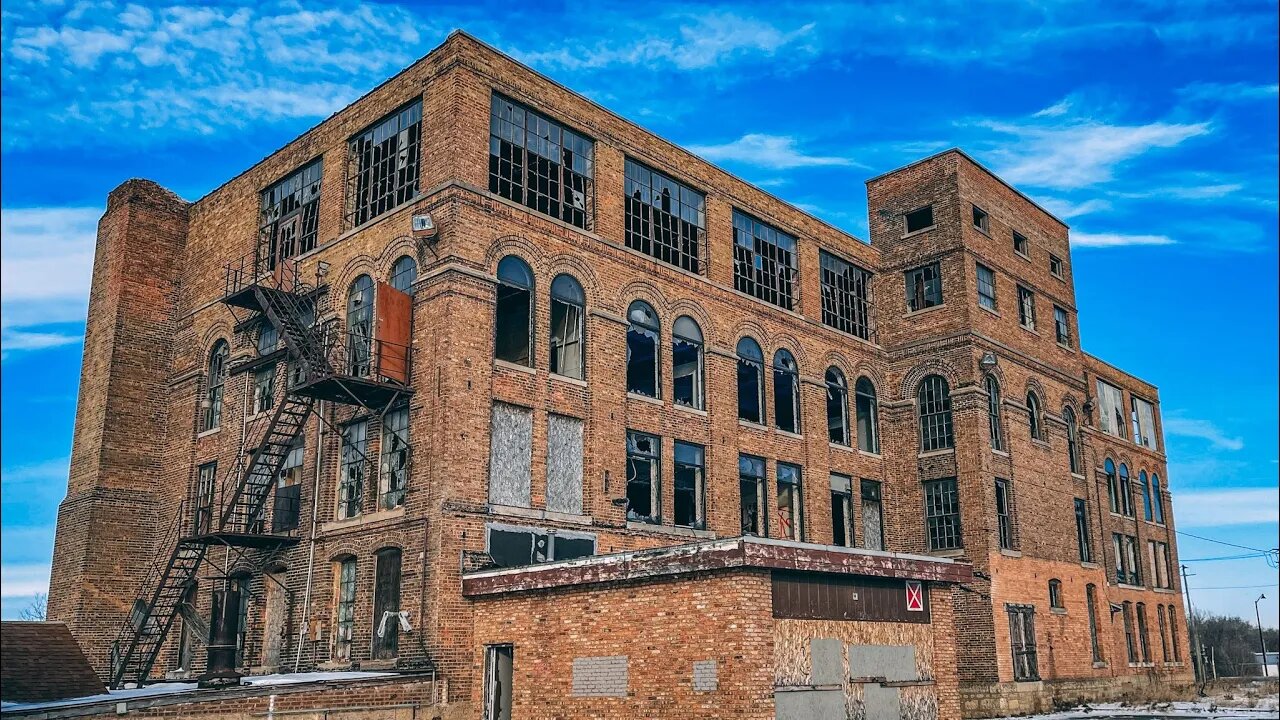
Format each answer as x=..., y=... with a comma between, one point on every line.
x=1067, y=209
x=1113, y=240
x=1202, y=430
x=23, y=580
x=1218, y=508
x=46, y=260
x=1229, y=92
x=54, y=470
x=778, y=152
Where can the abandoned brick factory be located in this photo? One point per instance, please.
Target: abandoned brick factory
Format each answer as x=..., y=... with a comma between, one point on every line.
x=477, y=400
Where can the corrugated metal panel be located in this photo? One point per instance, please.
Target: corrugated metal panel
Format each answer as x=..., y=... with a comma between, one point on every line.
x=818, y=596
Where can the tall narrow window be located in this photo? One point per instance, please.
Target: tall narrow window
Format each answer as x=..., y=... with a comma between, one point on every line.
x=993, y=413
x=289, y=216
x=216, y=382
x=750, y=381
x=642, y=349
x=764, y=261
x=354, y=465
x=264, y=389
x=790, y=503
x=1157, y=499
x=564, y=464
x=846, y=296
x=1061, y=328
x=1055, y=266
x=942, y=514
x=690, y=486
x=1004, y=518
x=1034, y=422
x=1073, y=440
x=841, y=510
x=1022, y=639
x=665, y=218
x=510, y=455
x=933, y=401
x=206, y=485
x=1113, y=487
x=395, y=457
x=643, y=477
x=288, y=500
x=868, y=416
x=1026, y=308
x=1144, y=487
x=360, y=326
x=1091, y=600
x=1163, y=629
x=1083, y=544
x=1125, y=548
x=872, y=516
x=1144, y=639
x=383, y=162
x=386, y=604
x=1055, y=594
x=924, y=287
x=1144, y=422
x=986, y=287
x=837, y=407
x=498, y=674
x=513, y=312
x=537, y=162
x=1173, y=635
x=568, y=346
x=241, y=585
x=1110, y=409
x=1126, y=492
x=404, y=273
x=751, y=482
x=687, y=363
x=786, y=392
x=344, y=622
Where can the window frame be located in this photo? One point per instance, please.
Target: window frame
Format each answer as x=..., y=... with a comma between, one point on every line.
x=534, y=190
x=987, y=298
x=943, y=528
x=568, y=332
x=1026, y=308
x=786, y=393
x=847, y=301
x=924, y=287
x=758, y=480
x=1035, y=420
x=937, y=430
x=1061, y=326
x=772, y=276
x=842, y=530
x=295, y=214
x=994, y=413
x=906, y=218
x=1084, y=540
x=792, y=490
x=643, y=327
x=684, y=336
x=400, y=189
x=751, y=366
x=837, y=397
x=866, y=407
x=635, y=225
x=1021, y=245
x=1055, y=595
x=653, y=458
x=981, y=219
x=509, y=291
x=699, y=490
x=1055, y=266
x=1004, y=515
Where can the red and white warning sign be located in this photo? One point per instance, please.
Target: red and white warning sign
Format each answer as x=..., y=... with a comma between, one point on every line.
x=915, y=596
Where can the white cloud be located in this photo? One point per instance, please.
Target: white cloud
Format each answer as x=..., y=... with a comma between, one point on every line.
x=23, y=580
x=1112, y=240
x=46, y=262
x=1217, y=508
x=1202, y=430
x=1229, y=92
x=779, y=152
x=41, y=472
x=1066, y=209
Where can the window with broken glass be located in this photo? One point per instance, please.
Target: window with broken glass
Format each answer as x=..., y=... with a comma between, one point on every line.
x=568, y=345
x=206, y=483
x=1162, y=627
x=764, y=261
x=644, y=487
x=1055, y=265
x=539, y=163
x=1125, y=553
x=933, y=401
x=1061, y=328
x=790, y=504
x=513, y=312
x=1022, y=640
x=290, y=212
x=687, y=363
x=360, y=326
x=642, y=350
x=1034, y=421
x=395, y=457
x=666, y=219
x=1083, y=543
x=1073, y=439
x=353, y=468
x=216, y=381
x=841, y=510
x=924, y=287
x=288, y=501
x=1143, y=415
x=345, y=609
x=751, y=482
x=846, y=296
x=872, y=515
x=867, y=415
x=512, y=546
x=689, y=509
x=942, y=514
x=750, y=381
x=993, y=413
x=1026, y=308
x=1004, y=516
x=1110, y=409
x=404, y=273
x=1020, y=244
x=264, y=384
x=837, y=407
x=1126, y=492
x=986, y=287
x=383, y=165
x=1144, y=487
x=786, y=392
x=981, y=220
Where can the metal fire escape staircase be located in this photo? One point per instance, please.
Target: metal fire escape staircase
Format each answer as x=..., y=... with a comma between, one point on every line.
x=234, y=514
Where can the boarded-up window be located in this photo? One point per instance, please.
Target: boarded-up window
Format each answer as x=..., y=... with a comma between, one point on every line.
x=510, y=455
x=564, y=464
x=1022, y=641
x=386, y=604
x=872, y=516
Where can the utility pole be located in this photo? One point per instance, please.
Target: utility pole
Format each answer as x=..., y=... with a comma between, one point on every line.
x=1262, y=639
x=1196, y=651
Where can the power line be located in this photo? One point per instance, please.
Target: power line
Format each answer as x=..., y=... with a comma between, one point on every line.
x=1236, y=587
x=1223, y=542
x=1226, y=557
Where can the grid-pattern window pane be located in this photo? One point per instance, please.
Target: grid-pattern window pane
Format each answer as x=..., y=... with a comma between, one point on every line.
x=1082, y=531
x=395, y=457
x=206, y=482
x=290, y=213
x=217, y=378
x=846, y=296
x=354, y=465
x=383, y=162
x=344, y=630
x=867, y=416
x=934, y=406
x=540, y=164
x=1004, y=518
x=924, y=287
x=942, y=514
x=764, y=261
x=837, y=407
x=1061, y=328
x=986, y=287
x=665, y=218
x=1026, y=308
x=643, y=478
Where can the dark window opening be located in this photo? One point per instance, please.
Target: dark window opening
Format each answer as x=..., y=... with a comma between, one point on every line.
x=540, y=164
x=206, y=485
x=993, y=413
x=289, y=220
x=1144, y=639
x=1091, y=600
x=846, y=296
x=764, y=261
x=986, y=287
x=287, y=506
x=386, y=604
x=360, y=326
x=404, y=273
x=498, y=673
x=1073, y=440
x=751, y=481
x=395, y=457
x=1129, y=640
x=1163, y=628
x=665, y=219
x=687, y=363
x=1055, y=594
x=642, y=350
x=790, y=503
x=786, y=392
x=919, y=219
x=345, y=610
x=837, y=407
x=1034, y=422
x=1026, y=308
x=1061, y=329
x=841, y=510
x=924, y=287
x=513, y=313
x=1125, y=552
x=1020, y=243
x=981, y=220
x=384, y=164
x=689, y=508
x=1083, y=542
x=934, y=406
x=1004, y=515
x=568, y=344
x=1055, y=265
x=942, y=514
x=1126, y=492
x=868, y=416
x=643, y=477
x=516, y=546
x=750, y=381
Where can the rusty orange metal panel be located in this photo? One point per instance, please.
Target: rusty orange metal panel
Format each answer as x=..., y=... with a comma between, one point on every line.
x=391, y=331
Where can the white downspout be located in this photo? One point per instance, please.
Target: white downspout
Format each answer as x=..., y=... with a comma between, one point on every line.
x=315, y=521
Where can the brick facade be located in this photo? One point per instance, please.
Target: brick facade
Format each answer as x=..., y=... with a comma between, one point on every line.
x=156, y=315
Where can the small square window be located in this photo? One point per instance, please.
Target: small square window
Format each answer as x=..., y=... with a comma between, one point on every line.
x=920, y=219
x=981, y=220
x=924, y=287
x=1055, y=265
x=1020, y=244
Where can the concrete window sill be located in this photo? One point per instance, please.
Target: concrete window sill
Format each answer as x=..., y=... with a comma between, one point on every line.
x=568, y=380
x=669, y=529
x=644, y=398
x=207, y=433
x=514, y=366
x=690, y=410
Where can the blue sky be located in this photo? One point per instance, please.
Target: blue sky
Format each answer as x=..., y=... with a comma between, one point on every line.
x=1150, y=128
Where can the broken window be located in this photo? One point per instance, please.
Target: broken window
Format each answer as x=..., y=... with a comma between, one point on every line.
x=264, y=384
x=1061, y=329
x=643, y=477
x=1020, y=244
x=355, y=444
x=837, y=407
x=751, y=482
x=1110, y=409
x=872, y=516
x=1083, y=542
x=687, y=363
x=934, y=405
x=564, y=464
x=1091, y=600
x=764, y=261
x=395, y=457
x=1125, y=549
x=568, y=344
x=790, y=503
x=1055, y=594
x=666, y=219
x=750, y=381
x=1162, y=627
x=841, y=510
x=290, y=214
x=993, y=413
x=924, y=287
x=942, y=514
x=642, y=349
x=1034, y=422
x=1073, y=440
x=1004, y=516
x=344, y=624
x=360, y=326
x=981, y=220
x=986, y=287
x=206, y=484
x=919, y=219
x=285, y=512
x=216, y=381
x=1055, y=265
x=1143, y=414
x=498, y=673
x=846, y=296
x=540, y=164
x=511, y=546
x=1158, y=554
x=1144, y=640
x=1157, y=499
x=689, y=509
x=1022, y=639
x=1144, y=487
x=386, y=604
x=240, y=583
x=1173, y=635
x=868, y=416
x=383, y=162
x=404, y=273
x=786, y=392
x=510, y=455
x=1113, y=488
x=268, y=338
x=1126, y=492
x=513, y=312
x=1026, y=308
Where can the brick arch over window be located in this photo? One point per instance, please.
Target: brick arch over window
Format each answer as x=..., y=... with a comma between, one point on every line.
x=933, y=366
x=565, y=264
x=1034, y=386
x=783, y=341
x=513, y=245
x=753, y=330
x=710, y=331
x=398, y=247
x=642, y=290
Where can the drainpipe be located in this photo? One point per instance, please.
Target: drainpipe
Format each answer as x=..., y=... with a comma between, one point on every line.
x=311, y=551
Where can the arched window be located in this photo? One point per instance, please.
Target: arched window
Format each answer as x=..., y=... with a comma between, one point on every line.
x=642, y=350
x=568, y=336
x=1033, y=417
x=868, y=416
x=1073, y=439
x=993, y=413
x=1157, y=499
x=1113, y=487
x=386, y=604
x=513, y=313
x=1126, y=492
x=1144, y=486
x=933, y=402
x=686, y=363
x=786, y=392
x=360, y=326
x=1055, y=594
x=837, y=407
x=404, y=273
x=215, y=383
x=750, y=381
